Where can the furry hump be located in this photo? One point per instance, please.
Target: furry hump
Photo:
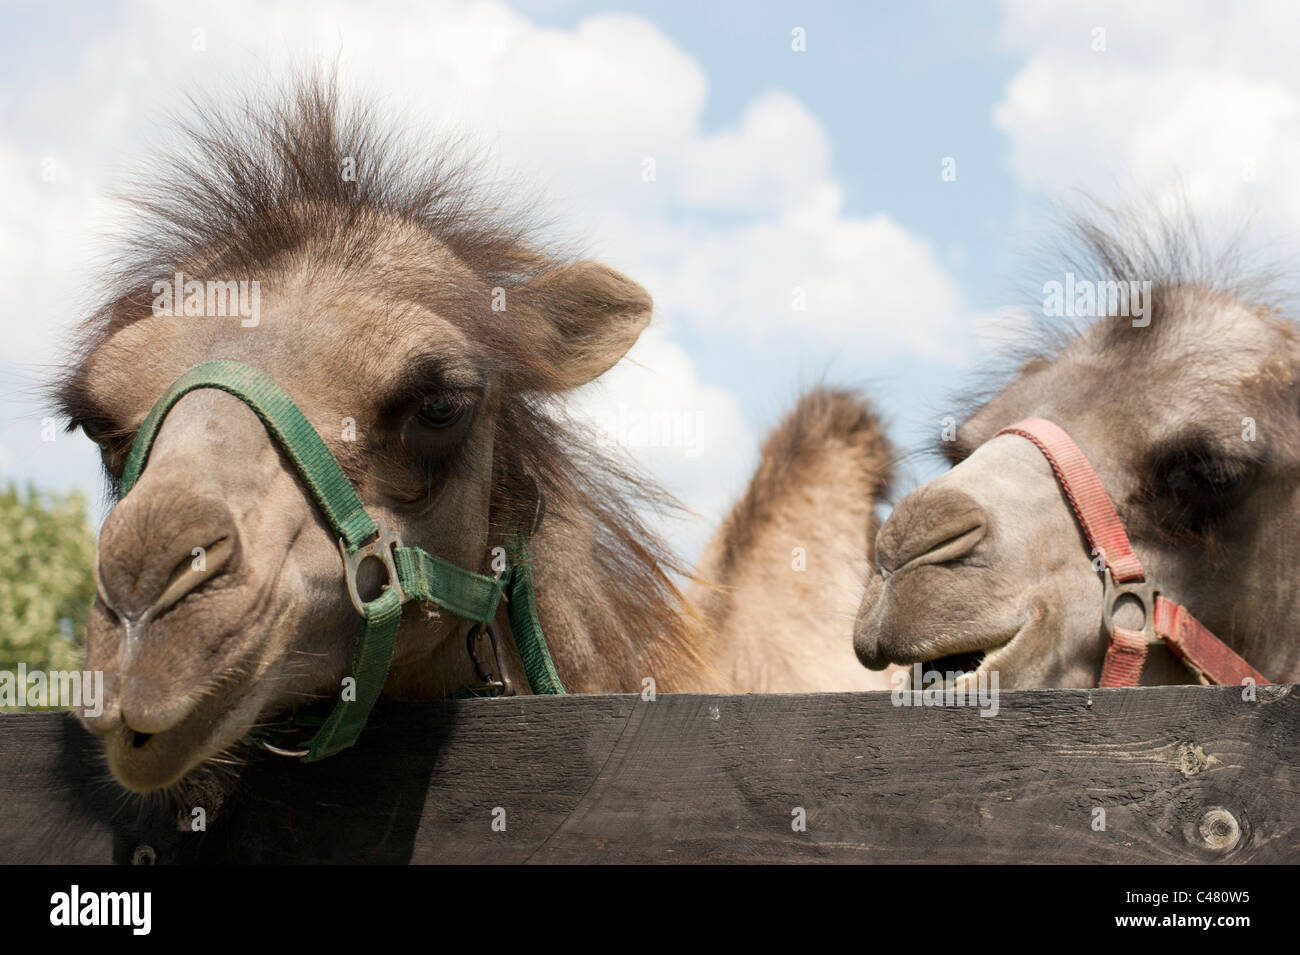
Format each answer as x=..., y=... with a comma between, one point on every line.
x=789, y=563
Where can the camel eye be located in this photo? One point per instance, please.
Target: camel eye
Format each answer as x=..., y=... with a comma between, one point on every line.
x=94, y=432
x=1198, y=474
x=441, y=409
x=1195, y=488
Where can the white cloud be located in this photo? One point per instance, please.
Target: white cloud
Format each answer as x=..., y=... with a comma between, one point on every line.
x=1204, y=103
x=691, y=435
x=857, y=284
x=772, y=160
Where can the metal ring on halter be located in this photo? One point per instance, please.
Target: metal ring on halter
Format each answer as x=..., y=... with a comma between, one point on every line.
x=380, y=548
x=1143, y=591
x=294, y=753
x=493, y=682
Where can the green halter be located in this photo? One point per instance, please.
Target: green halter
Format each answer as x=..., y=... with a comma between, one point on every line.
x=413, y=574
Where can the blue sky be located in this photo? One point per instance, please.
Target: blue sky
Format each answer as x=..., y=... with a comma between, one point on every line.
x=898, y=86
x=777, y=169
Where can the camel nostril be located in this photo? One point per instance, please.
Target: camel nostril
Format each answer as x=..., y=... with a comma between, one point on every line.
x=930, y=526
x=139, y=739
x=193, y=570
x=160, y=543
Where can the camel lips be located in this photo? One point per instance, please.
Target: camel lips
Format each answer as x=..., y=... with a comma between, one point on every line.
x=961, y=662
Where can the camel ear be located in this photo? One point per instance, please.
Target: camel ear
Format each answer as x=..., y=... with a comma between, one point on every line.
x=585, y=318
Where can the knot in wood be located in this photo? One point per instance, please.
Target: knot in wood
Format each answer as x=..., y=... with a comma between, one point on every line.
x=1219, y=829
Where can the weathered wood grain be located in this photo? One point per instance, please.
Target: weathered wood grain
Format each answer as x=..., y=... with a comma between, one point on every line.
x=1182, y=773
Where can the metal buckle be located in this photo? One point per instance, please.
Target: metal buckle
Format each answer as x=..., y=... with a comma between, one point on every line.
x=1144, y=591
x=260, y=738
x=271, y=748
x=493, y=682
x=380, y=548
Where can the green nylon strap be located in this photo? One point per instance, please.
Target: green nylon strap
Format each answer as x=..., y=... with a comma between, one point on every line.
x=521, y=607
x=429, y=579
x=370, y=662
x=472, y=596
x=329, y=486
x=421, y=576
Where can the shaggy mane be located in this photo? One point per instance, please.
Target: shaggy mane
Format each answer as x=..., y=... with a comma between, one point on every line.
x=1139, y=242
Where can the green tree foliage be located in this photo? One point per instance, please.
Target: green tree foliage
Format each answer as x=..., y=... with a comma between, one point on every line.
x=47, y=554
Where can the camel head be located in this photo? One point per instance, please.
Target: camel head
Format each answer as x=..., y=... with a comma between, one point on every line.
x=1190, y=415
x=415, y=332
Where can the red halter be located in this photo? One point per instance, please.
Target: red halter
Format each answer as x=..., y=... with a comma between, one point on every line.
x=1204, y=654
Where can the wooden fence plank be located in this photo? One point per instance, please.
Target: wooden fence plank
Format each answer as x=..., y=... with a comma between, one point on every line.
x=1182, y=774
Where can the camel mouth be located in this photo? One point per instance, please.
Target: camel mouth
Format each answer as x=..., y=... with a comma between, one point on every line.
x=955, y=669
x=144, y=762
x=967, y=665
x=959, y=663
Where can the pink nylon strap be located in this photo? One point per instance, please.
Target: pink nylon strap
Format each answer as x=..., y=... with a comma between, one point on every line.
x=1203, y=652
x=1087, y=496
x=1124, y=658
